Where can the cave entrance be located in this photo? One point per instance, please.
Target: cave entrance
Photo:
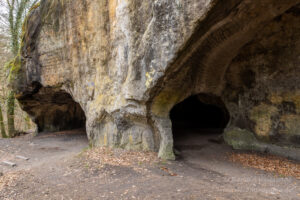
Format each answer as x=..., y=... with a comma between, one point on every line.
x=197, y=119
x=57, y=112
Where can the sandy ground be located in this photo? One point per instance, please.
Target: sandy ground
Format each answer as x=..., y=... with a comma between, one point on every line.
x=59, y=168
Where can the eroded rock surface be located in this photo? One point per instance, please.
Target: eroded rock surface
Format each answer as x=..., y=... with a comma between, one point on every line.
x=127, y=63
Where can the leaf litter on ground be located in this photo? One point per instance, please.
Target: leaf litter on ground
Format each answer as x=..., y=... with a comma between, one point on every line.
x=270, y=163
x=120, y=157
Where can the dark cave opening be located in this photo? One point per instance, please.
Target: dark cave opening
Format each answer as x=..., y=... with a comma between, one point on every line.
x=62, y=113
x=198, y=116
x=53, y=110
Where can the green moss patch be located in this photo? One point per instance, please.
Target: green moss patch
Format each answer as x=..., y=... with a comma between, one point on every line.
x=240, y=139
x=13, y=67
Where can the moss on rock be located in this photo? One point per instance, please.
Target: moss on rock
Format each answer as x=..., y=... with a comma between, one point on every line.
x=13, y=67
x=166, y=152
x=240, y=139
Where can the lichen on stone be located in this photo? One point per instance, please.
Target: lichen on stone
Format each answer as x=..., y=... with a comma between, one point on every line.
x=240, y=139
x=262, y=115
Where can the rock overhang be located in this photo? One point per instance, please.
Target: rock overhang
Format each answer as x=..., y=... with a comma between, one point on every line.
x=127, y=63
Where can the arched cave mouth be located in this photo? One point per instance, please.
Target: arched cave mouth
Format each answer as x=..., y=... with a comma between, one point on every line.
x=54, y=110
x=198, y=117
x=63, y=114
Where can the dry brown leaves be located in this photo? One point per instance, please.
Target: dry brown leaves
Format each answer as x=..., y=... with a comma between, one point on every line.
x=9, y=180
x=120, y=157
x=268, y=163
x=168, y=171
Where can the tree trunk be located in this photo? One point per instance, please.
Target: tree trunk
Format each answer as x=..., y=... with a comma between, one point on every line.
x=2, y=127
x=11, y=114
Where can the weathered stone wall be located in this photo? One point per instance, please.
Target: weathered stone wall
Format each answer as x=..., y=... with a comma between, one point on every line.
x=107, y=55
x=263, y=85
x=202, y=65
x=127, y=63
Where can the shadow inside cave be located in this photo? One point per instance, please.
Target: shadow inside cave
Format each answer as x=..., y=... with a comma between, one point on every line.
x=198, y=121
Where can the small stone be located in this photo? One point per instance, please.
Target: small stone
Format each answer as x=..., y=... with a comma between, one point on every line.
x=22, y=157
x=9, y=163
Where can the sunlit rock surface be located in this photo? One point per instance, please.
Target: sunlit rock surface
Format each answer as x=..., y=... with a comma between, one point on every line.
x=127, y=63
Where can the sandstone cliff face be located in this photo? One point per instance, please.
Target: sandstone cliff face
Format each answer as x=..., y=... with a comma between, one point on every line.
x=121, y=66
x=263, y=82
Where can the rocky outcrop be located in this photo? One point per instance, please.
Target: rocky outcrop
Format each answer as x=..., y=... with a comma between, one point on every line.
x=127, y=63
x=263, y=82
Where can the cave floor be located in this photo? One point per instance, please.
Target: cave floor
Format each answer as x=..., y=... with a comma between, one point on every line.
x=59, y=168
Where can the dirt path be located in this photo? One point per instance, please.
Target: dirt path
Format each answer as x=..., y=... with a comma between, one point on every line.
x=45, y=148
x=58, y=169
